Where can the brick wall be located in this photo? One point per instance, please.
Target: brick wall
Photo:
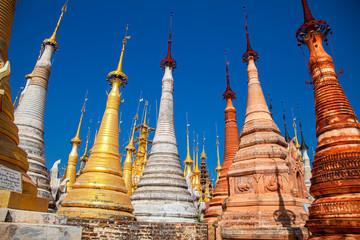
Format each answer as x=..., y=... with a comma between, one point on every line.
x=132, y=230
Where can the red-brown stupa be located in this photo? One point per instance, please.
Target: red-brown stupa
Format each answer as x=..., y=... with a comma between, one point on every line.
x=263, y=202
x=335, y=182
x=231, y=145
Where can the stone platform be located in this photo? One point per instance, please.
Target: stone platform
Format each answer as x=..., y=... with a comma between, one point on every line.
x=20, y=224
x=133, y=230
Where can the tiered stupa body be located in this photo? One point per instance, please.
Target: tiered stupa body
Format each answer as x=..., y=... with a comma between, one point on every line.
x=231, y=145
x=335, y=183
x=100, y=192
x=162, y=194
x=29, y=116
x=204, y=173
x=12, y=158
x=260, y=203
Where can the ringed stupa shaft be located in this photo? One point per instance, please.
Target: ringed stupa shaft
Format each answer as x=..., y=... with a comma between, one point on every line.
x=29, y=116
x=335, y=183
x=100, y=192
x=162, y=194
x=231, y=145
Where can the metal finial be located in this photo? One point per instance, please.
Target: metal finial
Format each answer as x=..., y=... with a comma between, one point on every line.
x=83, y=108
x=171, y=13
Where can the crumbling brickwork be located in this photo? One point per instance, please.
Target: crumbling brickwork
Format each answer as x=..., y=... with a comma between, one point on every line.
x=133, y=230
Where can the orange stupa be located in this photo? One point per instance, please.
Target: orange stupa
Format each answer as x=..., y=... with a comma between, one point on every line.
x=335, y=182
x=263, y=202
x=231, y=145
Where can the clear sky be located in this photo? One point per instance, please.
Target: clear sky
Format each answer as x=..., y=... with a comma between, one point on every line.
x=90, y=40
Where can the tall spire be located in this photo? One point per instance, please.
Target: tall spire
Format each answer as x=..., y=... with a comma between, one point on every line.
x=335, y=174
x=168, y=60
x=130, y=149
x=231, y=144
x=218, y=166
x=249, y=50
x=141, y=153
x=162, y=193
x=84, y=158
x=270, y=106
x=303, y=144
x=287, y=137
x=311, y=24
x=297, y=145
x=228, y=94
x=204, y=173
x=188, y=162
x=118, y=73
x=52, y=39
x=100, y=191
x=73, y=156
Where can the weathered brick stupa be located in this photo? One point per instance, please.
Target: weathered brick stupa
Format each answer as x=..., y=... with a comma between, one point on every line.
x=262, y=202
x=100, y=192
x=29, y=116
x=20, y=192
x=162, y=194
x=230, y=147
x=204, y=172
x=335, y=182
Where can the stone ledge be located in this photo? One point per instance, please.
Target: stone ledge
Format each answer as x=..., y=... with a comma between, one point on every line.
x=22, y=216
x=39, y=231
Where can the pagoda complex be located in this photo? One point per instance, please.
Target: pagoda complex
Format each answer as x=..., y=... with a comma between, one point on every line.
x=29, y=116
x=335, y=181
x=162, y=194
x=231, y=145
x=262, y=202
x=100, y=192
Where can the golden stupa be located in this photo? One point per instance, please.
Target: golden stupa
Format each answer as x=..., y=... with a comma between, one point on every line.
x=100, y=191
x=127, y=174
x=73, y=156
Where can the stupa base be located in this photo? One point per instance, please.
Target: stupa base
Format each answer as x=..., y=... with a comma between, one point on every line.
x=95, y=213
x=270, y=233
x=21, y=201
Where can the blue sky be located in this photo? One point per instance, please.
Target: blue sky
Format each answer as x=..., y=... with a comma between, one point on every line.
x=90, y=38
